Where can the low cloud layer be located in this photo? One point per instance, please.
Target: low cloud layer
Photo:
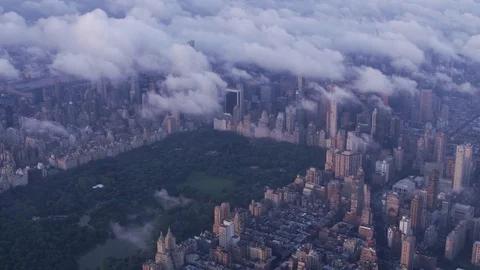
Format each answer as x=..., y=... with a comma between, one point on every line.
x=384, y=46
x=7, y=71
x=169, y=202
x=33, y=125
x=138, y=236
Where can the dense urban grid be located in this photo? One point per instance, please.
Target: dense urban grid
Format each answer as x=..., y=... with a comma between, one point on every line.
x=386, y=90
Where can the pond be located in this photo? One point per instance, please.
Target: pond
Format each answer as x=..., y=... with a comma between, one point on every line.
x=117, y=248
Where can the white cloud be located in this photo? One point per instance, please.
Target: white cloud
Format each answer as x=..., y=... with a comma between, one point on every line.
x=372, y=80
x=7, y=70
x=51, y=7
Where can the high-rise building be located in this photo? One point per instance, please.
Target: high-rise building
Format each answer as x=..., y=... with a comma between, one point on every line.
x=347, y=163
x=333, y=193
x=220, y=213
x=332, y=115
x=408, y=252
x=313, y=175
x=432, y=188
x=398, y=158
x=226, y=233
x=439, y=149
x=463, y=166
x=405, y=225
x=232, y=100
x=427, y=99
x=392, y=206
x=366, y=195
x=476, y=254
x=416, y=212
x=456, y=240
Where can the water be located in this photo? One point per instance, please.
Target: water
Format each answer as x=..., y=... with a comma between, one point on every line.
x=116, y=248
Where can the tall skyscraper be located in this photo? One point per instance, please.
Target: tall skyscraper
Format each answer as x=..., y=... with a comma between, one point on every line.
x=232, y=100
x=398, y=158
x=406, y=225
x=463, y=166
x=408, y=252
x=416, y=212
x=432, y=188
x=439, y=149
x=226, y=232
x=332, y=115
x=427, y=99
x=347, y=163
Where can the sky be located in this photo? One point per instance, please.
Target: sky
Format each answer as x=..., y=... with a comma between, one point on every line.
x=113, y=39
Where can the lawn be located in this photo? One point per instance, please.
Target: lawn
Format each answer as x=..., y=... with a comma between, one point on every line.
x=208, y=185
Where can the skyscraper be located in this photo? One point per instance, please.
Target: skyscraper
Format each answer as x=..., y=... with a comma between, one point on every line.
x=347, y=163
x=416, y=211
x=439, y=149
x=408, y=252
x=463, y=166
x=226, y=233
x=432, y=188
x=476, y=254
x=332, y=115
x=427, y=99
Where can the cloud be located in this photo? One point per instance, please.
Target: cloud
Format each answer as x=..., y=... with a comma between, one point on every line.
x=389, y=42
x=338, y=94
x=371, y=80
x=51, y=7
x=138, y=236
x=33, y=125
x=169, y=202
x=7, y=70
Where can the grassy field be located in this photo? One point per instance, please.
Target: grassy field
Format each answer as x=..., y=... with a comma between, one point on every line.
x=208, y=185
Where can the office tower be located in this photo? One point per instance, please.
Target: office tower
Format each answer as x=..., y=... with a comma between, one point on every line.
x=170, y=242
x=380, y=122
x=455, y=240
x=280, y=123
x=385, y=167
x=398, y=158
x=232, y=100
x=226, y=233
x=463, y=165
x=427, y=99
x=416, y=212
x=266, y=94
x=432, y=189
x=439, y=149
x=220, y=213
x=367, y=217
x=394, y=240
x=476, y=254
x=332, y=114
x=240, y=220
x=290, y=112
x=405, y=225
x=408, y=252
x=366, y=195
x=426, y=139
x=468, y=164
x=313, y=175
x=356, y=200
x=420, y=156
x=392, y=206
x=241, y=97
x=333, y=193
x=347, y=163
x=340, y=140
x=300, y=95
